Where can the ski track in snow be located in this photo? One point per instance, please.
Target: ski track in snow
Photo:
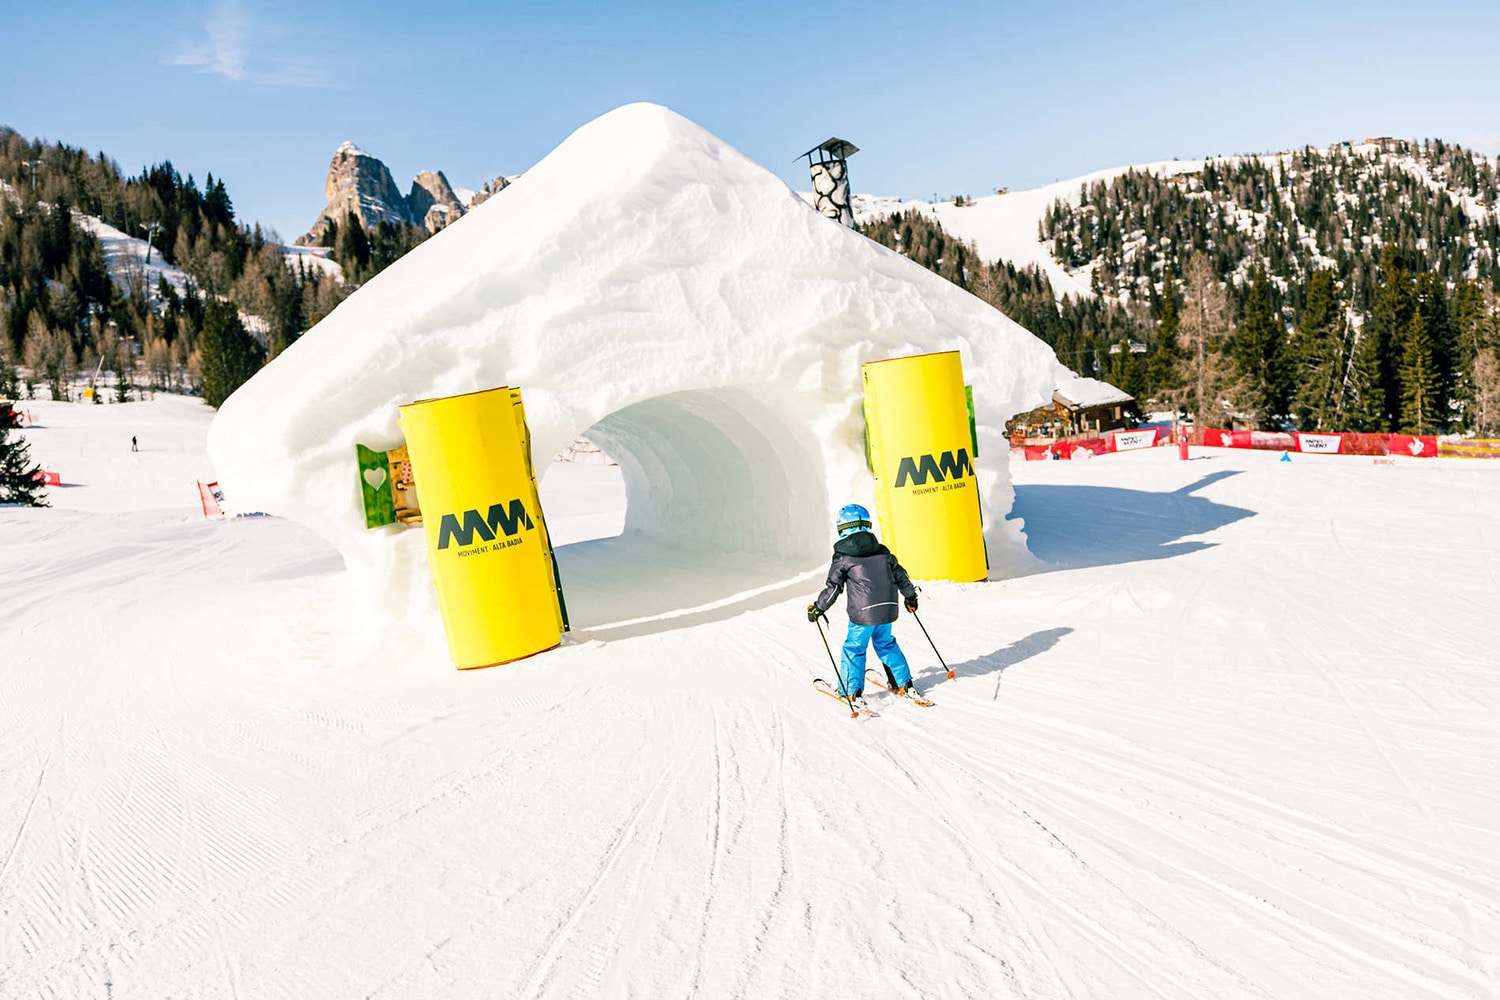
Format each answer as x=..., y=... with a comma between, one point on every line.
x=1215, y=767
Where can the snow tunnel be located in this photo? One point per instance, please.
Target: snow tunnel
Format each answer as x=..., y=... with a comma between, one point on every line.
x=652, y=288
x=724, y=498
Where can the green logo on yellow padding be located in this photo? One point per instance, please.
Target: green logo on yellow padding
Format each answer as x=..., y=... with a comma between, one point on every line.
x=502, y=519
x=948, y=465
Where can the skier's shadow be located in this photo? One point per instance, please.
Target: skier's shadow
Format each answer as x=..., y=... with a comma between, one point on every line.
x=1000, y=660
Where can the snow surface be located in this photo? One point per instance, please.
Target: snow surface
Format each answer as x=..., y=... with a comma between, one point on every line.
x=315, y=259
x=651, y=288
x=1235, y=738
x=1084, y=392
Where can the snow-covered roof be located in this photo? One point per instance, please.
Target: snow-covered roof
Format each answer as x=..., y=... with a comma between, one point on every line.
x=1079, y=393
x=648, y=285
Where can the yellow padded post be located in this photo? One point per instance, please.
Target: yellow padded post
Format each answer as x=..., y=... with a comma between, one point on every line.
x=486, y=545
x=926, y=493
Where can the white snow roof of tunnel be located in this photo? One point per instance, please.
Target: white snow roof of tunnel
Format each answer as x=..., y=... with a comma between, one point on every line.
x=1080, y=393
x=644, y=257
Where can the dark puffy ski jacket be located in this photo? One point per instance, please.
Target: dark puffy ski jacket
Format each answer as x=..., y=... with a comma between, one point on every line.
x=873, y=577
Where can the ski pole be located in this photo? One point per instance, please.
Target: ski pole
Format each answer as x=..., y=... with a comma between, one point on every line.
x=934, y=647
x=853, y=713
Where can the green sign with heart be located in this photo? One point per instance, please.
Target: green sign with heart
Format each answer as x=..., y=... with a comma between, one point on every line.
x=375, y=487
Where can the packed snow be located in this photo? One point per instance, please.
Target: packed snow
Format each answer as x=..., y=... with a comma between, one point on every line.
x=1235, y=737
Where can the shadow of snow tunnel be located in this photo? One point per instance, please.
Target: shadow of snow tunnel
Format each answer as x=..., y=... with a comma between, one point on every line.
x=725, y=510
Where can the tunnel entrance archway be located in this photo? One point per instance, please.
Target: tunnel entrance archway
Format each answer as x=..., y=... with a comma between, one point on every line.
x=724, y=496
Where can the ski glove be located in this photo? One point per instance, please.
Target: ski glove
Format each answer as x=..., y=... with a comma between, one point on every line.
x=911, y=605
x=814, y=612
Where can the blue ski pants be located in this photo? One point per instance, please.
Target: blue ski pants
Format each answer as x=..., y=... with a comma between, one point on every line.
x=857, y=641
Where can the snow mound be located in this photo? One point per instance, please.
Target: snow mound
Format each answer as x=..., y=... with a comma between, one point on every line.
x=652, y=289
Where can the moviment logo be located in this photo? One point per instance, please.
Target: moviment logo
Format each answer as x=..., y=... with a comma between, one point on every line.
x=948, y=465
x=502, y=519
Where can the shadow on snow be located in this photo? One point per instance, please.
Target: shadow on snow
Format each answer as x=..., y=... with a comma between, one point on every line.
x=1072, y=527
x=995, y=663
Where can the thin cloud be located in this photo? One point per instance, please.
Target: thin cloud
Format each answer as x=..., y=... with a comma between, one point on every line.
x=230, y=46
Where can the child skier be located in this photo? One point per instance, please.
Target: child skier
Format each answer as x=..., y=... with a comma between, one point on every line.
x=873, y=577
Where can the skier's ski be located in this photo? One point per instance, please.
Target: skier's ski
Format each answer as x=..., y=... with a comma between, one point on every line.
x=871, y=677
x=824, y=687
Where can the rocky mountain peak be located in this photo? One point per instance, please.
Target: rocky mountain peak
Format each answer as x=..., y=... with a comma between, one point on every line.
x=432, y=201
x=360, y=183
x=490, y=189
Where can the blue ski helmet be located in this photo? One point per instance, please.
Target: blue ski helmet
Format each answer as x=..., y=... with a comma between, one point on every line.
x=853, y=518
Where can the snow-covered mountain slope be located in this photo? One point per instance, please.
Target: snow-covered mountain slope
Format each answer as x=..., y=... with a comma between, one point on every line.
x=125, y=256
x=131, y=259
x=1235, y=739
x=1004, y=226
x=314, y=258
x=1332, y=200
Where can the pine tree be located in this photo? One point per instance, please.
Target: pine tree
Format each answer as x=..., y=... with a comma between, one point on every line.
x=1163, y=378
x=1126, y=371
x=1319, y=353
x=1470, y=323
x=1420, y=384
x=1390, y=317
x=1366, y=408
x=122, y=384
x=9, y=384
x=1432, y=303
x=18, y=474
x=353, y=248
x=230, y=356
x=1260, y=350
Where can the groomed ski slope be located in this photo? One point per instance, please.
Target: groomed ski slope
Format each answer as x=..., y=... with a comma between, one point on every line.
x=1237, y=737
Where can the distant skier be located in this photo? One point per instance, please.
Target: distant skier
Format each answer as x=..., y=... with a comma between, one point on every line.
x=132, y=443
x=873, y=578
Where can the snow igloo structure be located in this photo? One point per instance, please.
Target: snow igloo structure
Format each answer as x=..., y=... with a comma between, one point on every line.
x=651, y=288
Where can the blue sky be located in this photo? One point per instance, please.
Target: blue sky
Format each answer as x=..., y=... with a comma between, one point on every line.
x=943, y=97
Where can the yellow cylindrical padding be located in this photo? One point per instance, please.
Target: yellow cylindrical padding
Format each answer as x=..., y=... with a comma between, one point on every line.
x=489, y=562
x=926, y=494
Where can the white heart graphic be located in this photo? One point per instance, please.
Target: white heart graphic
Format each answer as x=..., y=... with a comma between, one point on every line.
x=375, y=477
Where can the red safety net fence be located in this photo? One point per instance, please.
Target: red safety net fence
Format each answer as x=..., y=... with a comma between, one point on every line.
x=1341, y=443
